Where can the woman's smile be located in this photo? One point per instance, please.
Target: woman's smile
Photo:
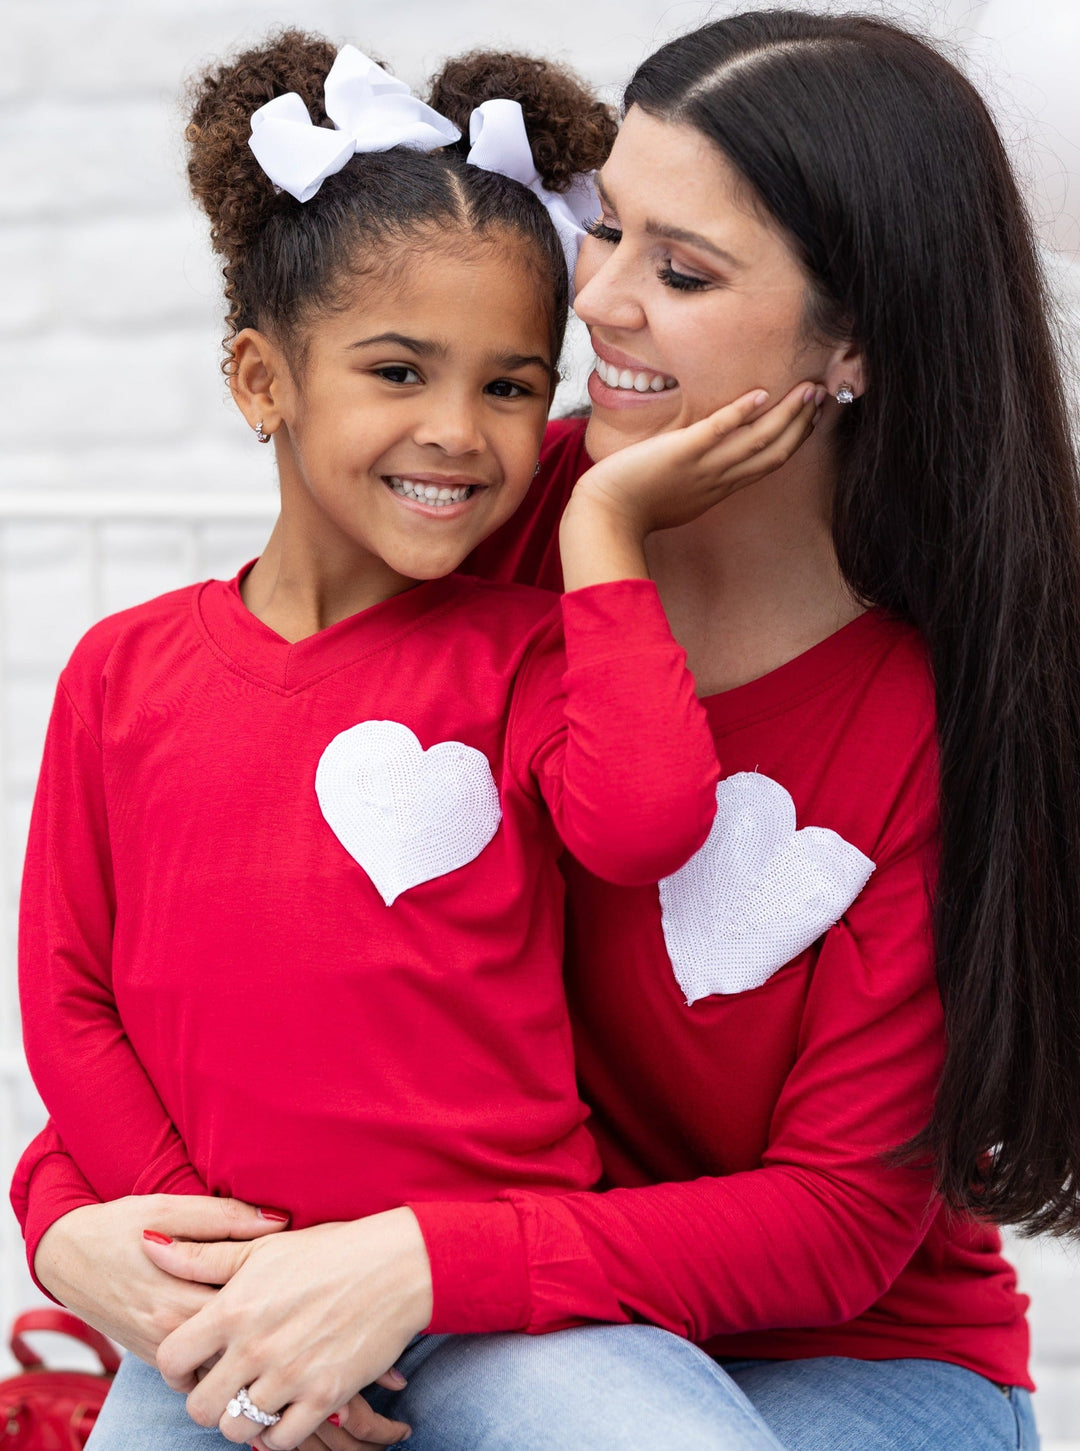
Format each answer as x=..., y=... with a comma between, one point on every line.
x=619, y=372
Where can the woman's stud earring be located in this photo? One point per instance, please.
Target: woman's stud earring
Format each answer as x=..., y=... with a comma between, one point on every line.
x=845, y=393
x=536, y=470
x=259, y=434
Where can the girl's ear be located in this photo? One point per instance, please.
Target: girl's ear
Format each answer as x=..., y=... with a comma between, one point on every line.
x=845, y=366
x=257, y=379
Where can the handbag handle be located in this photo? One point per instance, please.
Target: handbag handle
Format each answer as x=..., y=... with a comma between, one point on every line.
x=62, y=1323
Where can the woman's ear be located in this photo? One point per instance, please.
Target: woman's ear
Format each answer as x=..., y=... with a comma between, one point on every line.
x=845, y=369
x=258, y=379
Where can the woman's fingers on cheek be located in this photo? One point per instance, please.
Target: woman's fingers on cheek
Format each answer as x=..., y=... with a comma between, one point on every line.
x=770, y=457
x=784, y=426
x=734, y=415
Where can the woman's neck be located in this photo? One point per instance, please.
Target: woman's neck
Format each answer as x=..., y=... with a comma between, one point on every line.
x=755, y=581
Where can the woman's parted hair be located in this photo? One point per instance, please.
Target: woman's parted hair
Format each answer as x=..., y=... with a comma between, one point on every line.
x=957, y=509
x=285, y=261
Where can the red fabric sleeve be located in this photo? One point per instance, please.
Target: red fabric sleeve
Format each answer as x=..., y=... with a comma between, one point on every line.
x=45, y=1186
x=105, y=1108
x=617, y=740
x=811, y=1238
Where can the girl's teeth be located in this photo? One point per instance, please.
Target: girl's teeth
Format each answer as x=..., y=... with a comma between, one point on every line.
x=429, y=493
x=630, y=381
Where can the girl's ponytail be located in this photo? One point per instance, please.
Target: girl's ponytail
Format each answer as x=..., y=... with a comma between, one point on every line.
x=570, y=130
x=225, y=179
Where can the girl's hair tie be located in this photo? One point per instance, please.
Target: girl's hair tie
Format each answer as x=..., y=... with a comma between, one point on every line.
x=371, y=111
x=499, y=143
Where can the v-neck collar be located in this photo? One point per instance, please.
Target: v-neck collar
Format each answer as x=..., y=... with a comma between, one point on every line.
x=258, y=652
x=805, y=675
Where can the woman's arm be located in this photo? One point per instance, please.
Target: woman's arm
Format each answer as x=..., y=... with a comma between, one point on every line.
x=812, y=1237
x=86, y=1070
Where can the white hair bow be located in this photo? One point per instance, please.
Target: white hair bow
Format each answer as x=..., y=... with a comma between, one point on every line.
x=500, y=143
x=371, y=111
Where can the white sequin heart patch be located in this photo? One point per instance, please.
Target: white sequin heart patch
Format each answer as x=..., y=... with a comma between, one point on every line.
x=758, y=893
x=404, y=814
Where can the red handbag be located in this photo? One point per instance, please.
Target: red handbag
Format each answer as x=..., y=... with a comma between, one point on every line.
x=53, y=1410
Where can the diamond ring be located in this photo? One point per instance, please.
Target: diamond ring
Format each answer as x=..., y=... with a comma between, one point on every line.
x=242, y=1405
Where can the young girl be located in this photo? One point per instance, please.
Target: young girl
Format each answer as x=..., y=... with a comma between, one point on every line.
x=292, y=901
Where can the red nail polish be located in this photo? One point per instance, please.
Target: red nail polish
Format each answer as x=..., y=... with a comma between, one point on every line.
x=334, y=1420
x=276, y=1216
x=155, y=1237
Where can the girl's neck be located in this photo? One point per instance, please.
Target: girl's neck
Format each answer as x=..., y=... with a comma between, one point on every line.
x=755, y=582
x=297, y=589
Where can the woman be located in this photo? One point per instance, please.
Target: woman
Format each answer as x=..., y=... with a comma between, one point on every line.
x=888, y=629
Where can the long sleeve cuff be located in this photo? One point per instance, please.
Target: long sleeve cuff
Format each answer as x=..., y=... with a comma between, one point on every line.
x=479, y=1271
x=54, y=1188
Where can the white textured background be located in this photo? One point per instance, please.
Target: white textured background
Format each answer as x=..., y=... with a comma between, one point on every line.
x=125, y=470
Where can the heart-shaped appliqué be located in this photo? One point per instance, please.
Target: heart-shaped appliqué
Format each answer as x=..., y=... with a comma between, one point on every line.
x=406, y=815
x=758, y=893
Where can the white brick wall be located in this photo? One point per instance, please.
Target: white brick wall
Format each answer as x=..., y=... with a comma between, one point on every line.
x=112, y=407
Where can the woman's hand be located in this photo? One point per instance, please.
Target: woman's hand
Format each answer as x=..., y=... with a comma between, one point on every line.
x=91, y=1259
x=674, y=477
x=304, y=1322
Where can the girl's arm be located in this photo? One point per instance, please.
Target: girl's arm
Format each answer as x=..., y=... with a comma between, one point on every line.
x=616, y=738
x=104, y=1106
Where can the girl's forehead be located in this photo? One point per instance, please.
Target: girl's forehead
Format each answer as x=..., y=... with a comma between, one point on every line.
x=481, y=299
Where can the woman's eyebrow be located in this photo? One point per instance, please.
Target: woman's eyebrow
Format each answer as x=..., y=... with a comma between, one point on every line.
x=671, y=234
x=692, y=239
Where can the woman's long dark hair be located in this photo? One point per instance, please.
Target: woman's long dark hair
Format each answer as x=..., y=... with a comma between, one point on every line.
x=957, y=509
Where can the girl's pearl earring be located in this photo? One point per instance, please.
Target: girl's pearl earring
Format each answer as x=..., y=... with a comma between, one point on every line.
x=259, y=434
x=845, y=393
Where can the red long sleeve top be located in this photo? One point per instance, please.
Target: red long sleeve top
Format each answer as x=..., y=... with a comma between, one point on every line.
x=273, y=944
x=747, y=1201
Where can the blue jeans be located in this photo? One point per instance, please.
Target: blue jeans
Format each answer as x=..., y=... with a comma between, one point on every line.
x=625, y=1388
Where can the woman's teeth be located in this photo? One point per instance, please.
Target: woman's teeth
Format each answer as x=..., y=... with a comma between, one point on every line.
x=634, y=382
x=436, y=494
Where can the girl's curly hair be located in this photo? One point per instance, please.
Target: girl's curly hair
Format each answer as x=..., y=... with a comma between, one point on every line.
x=283, y=262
